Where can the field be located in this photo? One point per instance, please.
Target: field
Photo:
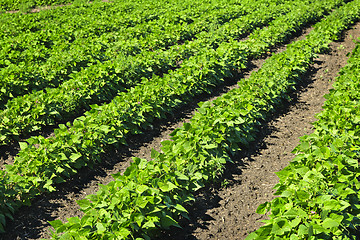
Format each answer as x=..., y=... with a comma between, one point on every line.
x=180, y=120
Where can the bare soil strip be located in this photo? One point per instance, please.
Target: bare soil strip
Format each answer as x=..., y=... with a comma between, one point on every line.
x=228, y=212
x=227, y=206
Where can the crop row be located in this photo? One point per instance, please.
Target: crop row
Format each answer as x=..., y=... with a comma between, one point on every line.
x=18, y=24
x=48, y=38
x=19, y=4
x=121, y=15
x=319, y=190
x=102, y=82
x=124, y=13
x=127, y=13
x=152, y=194
x=43, y=162
x=34, y=61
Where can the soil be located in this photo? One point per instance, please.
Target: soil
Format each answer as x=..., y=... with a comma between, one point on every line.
x=223, y=210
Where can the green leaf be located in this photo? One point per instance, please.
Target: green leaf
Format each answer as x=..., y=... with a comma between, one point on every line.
x=262, y=209
x=141, y=188
x=286, y=193
x=23, y=145
x=294, y=223
x=83, y=203
x=311, y=230
x=187, y=126
x=180, y=208
x=75, y=156
x=48, y=185
x=2, y=219
x=280, y=226
x=292, y=213
x=283, y=174
x=154, y=153
x=66, y=236
x=167, y=186
x=330, y=223
x=56, y=224
x=302, y=195
x=100, y=227
x=294, y=237
x=142, y=163
x=11, y=208
x=304, y=146
x=105, y=128
x=331, y=205
x=149, y=224
x=303, y=230
x=139, y=219
x=210, y=146
x=251, y=236
x=168, y=221
x=357, y=119
x=123, y=232
x=181, y=176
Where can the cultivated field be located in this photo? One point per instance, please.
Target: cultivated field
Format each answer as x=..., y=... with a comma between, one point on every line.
x=133, y=119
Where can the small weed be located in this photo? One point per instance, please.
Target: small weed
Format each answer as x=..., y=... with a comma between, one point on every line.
x=341, y=47
x=225, y=183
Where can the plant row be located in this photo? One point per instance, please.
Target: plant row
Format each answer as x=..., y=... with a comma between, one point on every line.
x=319, y=190
x=24, y=5
x=43, y=162
x=152, y=194
x=130, y=13
x=30, y=62
x=96, y=85
x=24, y=46
x=125, y=13
x=18, y=24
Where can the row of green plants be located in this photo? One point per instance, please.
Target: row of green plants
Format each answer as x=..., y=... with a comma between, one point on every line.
x=24, y=5
x=91, y=28
x=126, y=13
x=43, y=162
x=30, y=112
x=34, y=61
x=318, y=193
x=152, y=194
x=102, y=82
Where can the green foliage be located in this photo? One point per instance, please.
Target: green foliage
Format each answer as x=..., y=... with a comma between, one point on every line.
x=100, y=82
x=25, y=5
x=319, y=190
x=151, y=194
x=45, y=53
x=197, y=153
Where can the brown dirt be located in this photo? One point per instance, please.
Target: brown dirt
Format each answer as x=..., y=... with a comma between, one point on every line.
x=219, y=213
x=7, y=154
